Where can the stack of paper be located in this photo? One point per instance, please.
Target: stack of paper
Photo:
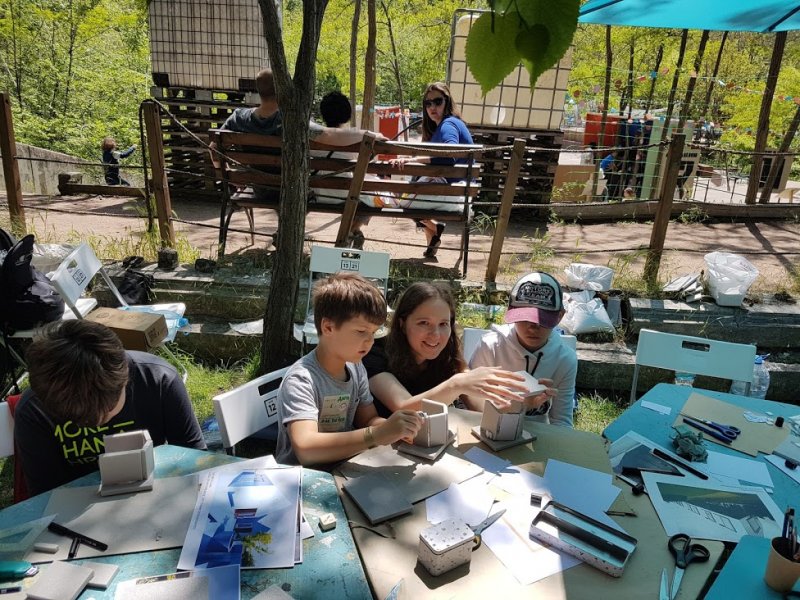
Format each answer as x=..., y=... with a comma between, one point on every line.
x=585, y=490
x=247, y=515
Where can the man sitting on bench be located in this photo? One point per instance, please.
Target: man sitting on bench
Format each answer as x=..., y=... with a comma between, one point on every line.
x=266, y=119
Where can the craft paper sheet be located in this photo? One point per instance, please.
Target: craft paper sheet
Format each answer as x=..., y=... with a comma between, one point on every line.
x=712, y=512
x=247, y=518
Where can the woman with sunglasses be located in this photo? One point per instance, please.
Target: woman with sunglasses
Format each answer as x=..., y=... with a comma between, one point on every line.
x=421, y=358
x=441, y=124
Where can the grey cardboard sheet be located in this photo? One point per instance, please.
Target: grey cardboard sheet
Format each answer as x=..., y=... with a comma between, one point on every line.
x=153, y=520
x=417, y=477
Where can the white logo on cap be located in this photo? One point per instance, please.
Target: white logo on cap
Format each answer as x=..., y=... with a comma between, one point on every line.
x=540, y=295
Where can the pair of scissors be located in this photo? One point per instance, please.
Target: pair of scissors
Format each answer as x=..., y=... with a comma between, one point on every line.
x=685, y=553
x=719, y=431
x=485, y=524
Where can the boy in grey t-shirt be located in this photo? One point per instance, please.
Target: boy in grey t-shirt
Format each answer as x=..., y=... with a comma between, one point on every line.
x=325, y=409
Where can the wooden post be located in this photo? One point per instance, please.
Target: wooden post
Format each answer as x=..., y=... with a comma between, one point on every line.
x=762, y=130
x=351, y=204
x=8, y=147
x=664, y=209
x=155, y=148
x=509, y=191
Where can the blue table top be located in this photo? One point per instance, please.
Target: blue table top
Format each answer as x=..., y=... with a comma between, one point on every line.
x=331, y=567
x=658, y=427
x=743, y=574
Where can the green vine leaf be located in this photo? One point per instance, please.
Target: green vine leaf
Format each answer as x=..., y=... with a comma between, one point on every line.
x=534, y=32
x=491, y=53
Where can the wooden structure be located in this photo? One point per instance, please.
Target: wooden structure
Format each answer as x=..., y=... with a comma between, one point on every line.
x=346, y=173
x=195, y=112
x=512, y=110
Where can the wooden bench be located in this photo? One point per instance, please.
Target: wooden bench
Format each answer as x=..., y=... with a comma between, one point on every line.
x=350, y=174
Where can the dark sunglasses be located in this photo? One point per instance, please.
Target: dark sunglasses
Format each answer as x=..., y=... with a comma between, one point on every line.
x=433, y=102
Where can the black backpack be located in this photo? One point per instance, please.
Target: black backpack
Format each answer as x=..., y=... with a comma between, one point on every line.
x=27, y=298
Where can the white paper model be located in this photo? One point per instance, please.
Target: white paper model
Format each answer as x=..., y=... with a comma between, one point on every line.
x=127, y=464
x=434, y=425
x=502, y=424
x=534, y=387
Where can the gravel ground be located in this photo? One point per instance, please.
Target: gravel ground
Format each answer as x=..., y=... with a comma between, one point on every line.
x=771, y=246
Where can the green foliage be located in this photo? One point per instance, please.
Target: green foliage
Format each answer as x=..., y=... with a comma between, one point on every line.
x=536, y=32
x=596, y=412
x=76, y=71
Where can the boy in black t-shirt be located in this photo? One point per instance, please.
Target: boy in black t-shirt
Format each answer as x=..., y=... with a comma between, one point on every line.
x=84, y=385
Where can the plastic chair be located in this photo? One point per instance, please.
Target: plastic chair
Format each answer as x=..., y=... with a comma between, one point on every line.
x=77, y=270
x=699, y=356
x=249, y=409
x=472, y=337
x=326, y=261
x=8, y=447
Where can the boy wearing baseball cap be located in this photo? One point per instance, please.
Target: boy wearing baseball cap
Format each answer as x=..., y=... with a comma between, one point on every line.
x=527, y=343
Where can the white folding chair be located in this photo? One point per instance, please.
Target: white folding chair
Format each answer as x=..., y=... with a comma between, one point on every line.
x=570, y=341
x=688, y=354
x=6, y=430
x=326, y=261
x=472, y=337
x=79, y=268
x=249, y=409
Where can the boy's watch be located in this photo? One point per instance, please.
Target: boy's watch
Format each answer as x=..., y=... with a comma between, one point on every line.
x=543, y=409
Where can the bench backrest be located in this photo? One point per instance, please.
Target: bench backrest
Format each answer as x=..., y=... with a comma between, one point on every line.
x=254, y=159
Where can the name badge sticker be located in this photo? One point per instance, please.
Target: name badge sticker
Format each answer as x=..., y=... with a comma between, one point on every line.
x=333, y=415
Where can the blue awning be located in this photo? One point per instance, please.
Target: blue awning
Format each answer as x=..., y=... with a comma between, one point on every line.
x=716, y=15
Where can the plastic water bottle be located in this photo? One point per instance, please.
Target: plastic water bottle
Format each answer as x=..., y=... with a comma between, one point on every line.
x=758, y=389
x=760, y=384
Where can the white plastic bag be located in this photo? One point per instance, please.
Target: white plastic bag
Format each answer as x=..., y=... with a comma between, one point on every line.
x=729, y=276
x=583, y=276
x=585, y=314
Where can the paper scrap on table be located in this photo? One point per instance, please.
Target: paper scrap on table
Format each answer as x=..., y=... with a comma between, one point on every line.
x=659, y=408
x=489, y=462
x=585, y=490
x=780, y=464
x=744, y=470
x=518, y=482
x=467, y=501
x=527, y=560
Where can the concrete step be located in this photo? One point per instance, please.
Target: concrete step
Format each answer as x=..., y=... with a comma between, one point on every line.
x=607, y=368
x=770, y=325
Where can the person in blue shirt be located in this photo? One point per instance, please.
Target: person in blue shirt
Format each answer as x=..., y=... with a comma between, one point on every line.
x=441, y=124
x=111, y=157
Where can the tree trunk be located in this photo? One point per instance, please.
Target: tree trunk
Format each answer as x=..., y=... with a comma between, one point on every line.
x=698, y=60
x=368, y=105
x=659, y=57
x=353, y=57
x=630, y=82
x=607, y=90
x=295, y=96
x=675, y=78
x=396, y=69
x=17, y=66
x=73, y=35
x=713, y=83
x=778, y=160
x=762, y=131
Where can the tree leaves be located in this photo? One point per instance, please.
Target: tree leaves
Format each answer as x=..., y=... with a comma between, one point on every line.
x=534, y=32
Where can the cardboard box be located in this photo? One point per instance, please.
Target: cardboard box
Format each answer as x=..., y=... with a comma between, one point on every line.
x=137, y=330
